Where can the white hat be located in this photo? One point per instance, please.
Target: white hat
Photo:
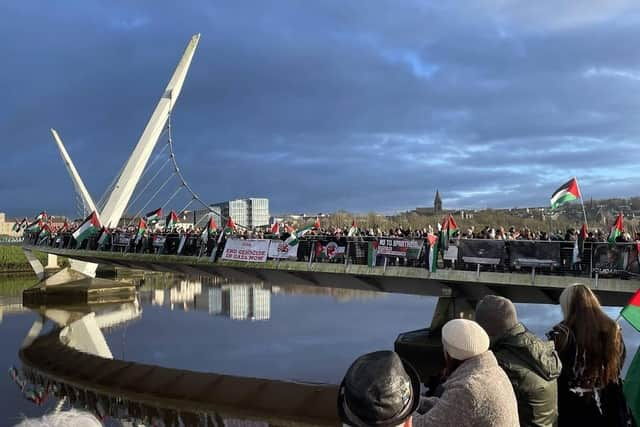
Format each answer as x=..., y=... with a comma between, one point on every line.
x=463, y=339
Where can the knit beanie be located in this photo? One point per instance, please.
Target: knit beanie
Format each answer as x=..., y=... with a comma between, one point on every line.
x=496, y=315
x=463, y=339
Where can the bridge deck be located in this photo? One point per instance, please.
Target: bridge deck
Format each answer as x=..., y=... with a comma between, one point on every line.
x=518, y=286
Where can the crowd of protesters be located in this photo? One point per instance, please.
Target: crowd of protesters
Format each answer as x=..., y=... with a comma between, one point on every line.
x=185, y=239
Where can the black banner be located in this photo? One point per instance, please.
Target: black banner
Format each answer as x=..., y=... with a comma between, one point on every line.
x=528, y=253
x=481, y=250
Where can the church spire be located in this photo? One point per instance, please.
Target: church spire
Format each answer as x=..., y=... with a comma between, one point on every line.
x=437, y=203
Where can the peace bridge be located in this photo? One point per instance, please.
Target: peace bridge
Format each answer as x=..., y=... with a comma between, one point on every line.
x=74, y=362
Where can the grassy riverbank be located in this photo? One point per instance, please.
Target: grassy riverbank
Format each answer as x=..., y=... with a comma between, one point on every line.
x=12, y=260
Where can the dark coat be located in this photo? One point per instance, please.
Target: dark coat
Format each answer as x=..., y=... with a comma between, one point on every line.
x=533, y=367
x=601, y=406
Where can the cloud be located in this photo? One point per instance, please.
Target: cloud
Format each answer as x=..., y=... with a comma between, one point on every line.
x=322, y=106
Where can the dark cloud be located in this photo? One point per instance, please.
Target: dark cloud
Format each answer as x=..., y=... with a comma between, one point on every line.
x=321, y=106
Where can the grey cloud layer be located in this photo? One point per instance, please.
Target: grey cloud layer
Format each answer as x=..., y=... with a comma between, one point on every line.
x=363, y=106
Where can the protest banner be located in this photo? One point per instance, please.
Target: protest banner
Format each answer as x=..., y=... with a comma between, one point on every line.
x=279, y=249
x=252, y=250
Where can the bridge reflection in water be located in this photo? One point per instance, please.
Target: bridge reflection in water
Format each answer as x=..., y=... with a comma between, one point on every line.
x=211, y=323
x=75, y=363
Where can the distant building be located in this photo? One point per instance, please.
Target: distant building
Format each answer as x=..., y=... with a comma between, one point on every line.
x=437, y=203
x=250, y=212
x=435, y=210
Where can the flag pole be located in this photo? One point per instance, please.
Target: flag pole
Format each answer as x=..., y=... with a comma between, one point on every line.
x=584, y=212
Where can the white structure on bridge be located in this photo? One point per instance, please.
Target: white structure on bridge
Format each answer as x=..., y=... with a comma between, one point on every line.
x=128, y=178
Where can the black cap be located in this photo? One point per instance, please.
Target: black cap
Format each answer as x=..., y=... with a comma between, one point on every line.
x=379, y=389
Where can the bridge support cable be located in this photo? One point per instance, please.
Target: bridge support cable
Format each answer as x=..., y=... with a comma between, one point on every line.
x=195, y=196
x=175, y=193
x=164, y=184
x=141, y=192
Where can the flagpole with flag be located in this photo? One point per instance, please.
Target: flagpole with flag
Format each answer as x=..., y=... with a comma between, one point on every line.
x=568, y=192
x=631, y=384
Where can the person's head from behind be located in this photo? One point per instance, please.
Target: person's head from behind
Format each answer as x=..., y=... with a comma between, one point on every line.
x=497, y=315
x=462, y=339
x=379, y=389
x=71, y=418
x=597, y=336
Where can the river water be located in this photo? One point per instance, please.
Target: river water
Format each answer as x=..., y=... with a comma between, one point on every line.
x=264, y=330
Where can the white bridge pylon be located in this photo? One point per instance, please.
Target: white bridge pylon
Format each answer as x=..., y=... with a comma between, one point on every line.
x=117, y=200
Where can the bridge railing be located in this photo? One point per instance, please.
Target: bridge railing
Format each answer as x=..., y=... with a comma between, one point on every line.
x=546, y=257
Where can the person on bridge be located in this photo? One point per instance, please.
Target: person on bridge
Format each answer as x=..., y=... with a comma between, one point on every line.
x=531, y=364
x=477, y=392
x=592, y=352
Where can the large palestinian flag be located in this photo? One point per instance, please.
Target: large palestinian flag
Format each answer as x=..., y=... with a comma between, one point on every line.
x=567, y=192
x=89, y=226
x=154, y=216
x=35, y=226
x=295, y=236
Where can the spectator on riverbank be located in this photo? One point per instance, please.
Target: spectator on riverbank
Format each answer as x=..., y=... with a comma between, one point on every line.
x=477, y=392
x=379, y=389
x=531, y=364
x=592, y=352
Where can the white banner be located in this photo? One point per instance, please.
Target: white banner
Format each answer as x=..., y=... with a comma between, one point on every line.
x=280, y=250
x=252, y=250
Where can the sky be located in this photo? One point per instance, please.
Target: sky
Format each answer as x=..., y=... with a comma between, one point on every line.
x=320, y=106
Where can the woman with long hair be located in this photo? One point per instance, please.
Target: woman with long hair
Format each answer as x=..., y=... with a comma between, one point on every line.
x=592, y=352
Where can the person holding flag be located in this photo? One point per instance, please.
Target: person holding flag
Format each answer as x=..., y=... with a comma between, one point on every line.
x=275, y=229
x=208, y=235
x=171, y=221
x=354, y=229
x=90, y=226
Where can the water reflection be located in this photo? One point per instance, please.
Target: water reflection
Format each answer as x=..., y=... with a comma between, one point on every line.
x=238, y=302
x=206, y=324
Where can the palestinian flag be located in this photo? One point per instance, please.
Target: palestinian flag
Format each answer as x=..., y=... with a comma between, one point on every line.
x=142, y=227
x=616, y=229
x=16, y=226
x=45, y=232
x=209, y=229
x=89, y=226
x=443, y=234
x=432, y=253
x=578, y=246
x=567, y=192
x=631, y=312
x=353, y=230
x=371, y=253
x=35, y=226
x=275, y=228
x=171, y=220
x=104, y=237
x=153, y=216
x=451, y=226
x=316, y=224
x=42, y=216
x=230, y=227
x=631, y=385
x=24, y=224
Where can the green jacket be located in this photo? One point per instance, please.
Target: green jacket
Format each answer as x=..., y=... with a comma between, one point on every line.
x=533, y=367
